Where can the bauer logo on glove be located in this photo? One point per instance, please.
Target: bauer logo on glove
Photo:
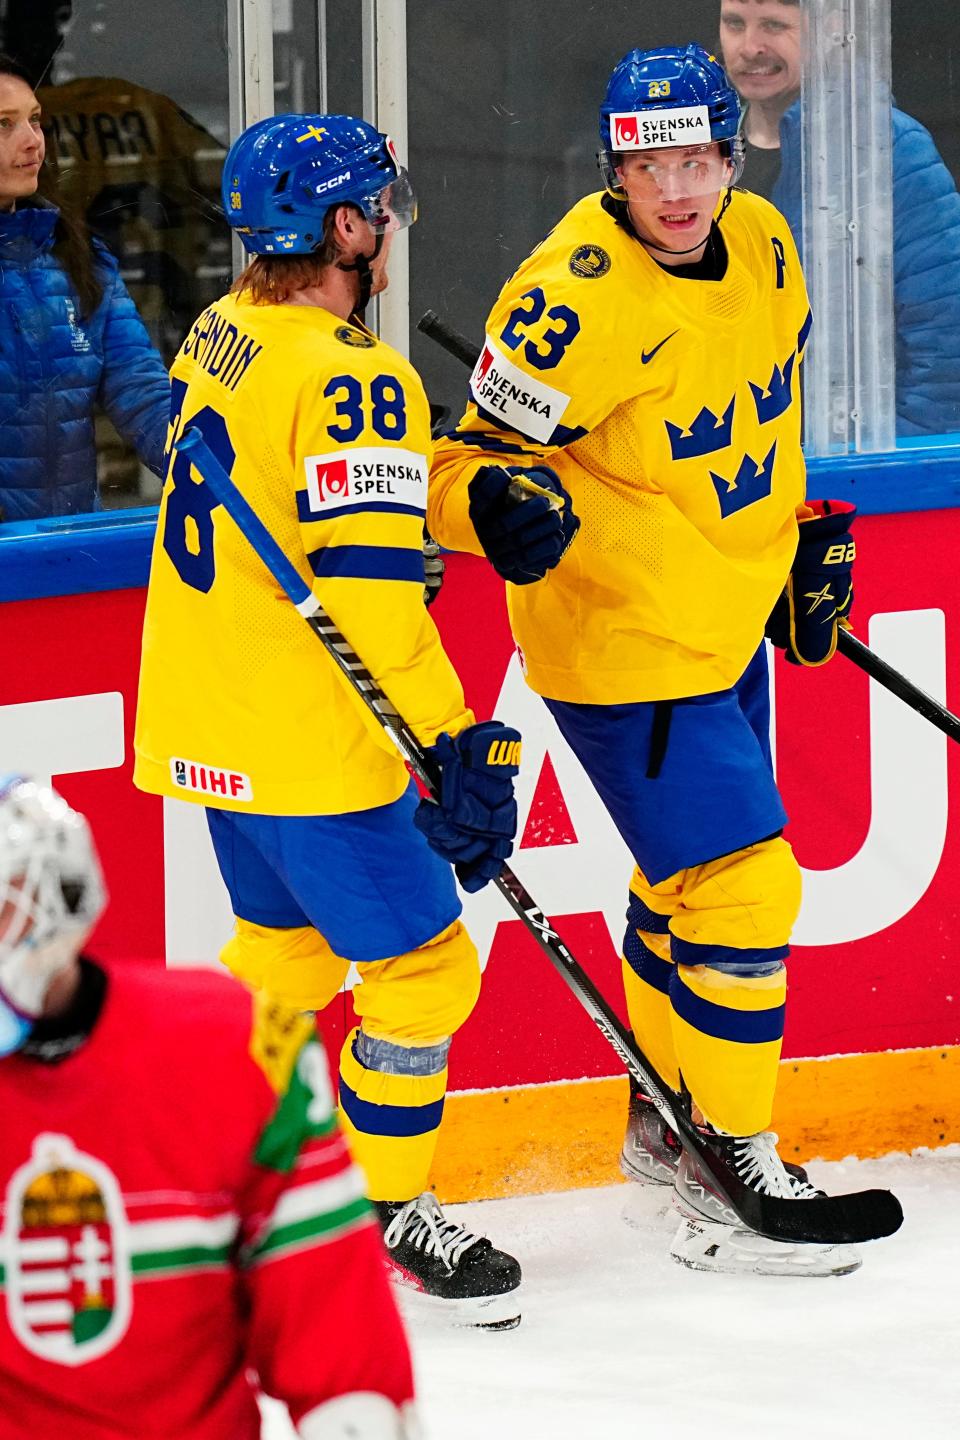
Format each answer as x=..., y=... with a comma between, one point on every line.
x=819, y=590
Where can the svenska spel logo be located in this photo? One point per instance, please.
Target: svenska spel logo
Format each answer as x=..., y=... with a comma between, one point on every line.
x=483, y=364
x=331, y=479
x=624, y=131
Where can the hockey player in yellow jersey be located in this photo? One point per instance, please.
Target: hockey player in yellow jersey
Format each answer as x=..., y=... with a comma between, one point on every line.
x=320, y=839
x=648, y=353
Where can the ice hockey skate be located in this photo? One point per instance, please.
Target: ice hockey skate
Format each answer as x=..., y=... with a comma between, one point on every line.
x=711, y=1237
x=651, y=1150
x=458, y=1273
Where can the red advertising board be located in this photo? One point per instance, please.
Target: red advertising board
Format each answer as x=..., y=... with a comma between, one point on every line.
x=866, y=782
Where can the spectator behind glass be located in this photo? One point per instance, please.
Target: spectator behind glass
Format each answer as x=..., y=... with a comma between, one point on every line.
x=762, y=42
x=70, y=336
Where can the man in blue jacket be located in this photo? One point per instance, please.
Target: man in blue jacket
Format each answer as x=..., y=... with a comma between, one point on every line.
x=762, y=43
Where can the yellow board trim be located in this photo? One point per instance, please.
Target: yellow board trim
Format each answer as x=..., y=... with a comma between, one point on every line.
x=537, y=1138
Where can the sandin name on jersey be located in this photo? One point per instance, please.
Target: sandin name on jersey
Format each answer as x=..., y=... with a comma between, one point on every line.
x=220, y=348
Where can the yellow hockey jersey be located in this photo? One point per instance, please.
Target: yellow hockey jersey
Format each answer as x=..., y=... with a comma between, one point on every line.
x=670, y=408
x=326, y=431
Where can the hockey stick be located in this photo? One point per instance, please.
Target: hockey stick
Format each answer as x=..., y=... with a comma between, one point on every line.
x=828, y=1220
x=861, y=655
x=870, y=662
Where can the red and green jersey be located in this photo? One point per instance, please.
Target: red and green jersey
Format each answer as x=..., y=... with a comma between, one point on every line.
x=179, y=1214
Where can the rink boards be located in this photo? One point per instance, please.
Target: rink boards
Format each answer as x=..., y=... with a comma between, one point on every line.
x=872, y=1050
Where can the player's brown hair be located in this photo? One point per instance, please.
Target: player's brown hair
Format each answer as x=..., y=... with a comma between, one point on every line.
x=272, y=279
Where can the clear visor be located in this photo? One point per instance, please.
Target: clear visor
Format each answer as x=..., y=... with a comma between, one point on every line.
x=674, y=172
x=396, y=205
x=669, y=175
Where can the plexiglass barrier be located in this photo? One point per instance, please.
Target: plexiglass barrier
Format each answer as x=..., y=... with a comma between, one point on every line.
x=849, y=388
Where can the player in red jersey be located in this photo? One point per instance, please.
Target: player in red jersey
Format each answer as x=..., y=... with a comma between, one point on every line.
x=181, y=1222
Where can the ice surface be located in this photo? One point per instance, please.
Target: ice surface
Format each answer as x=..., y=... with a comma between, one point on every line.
x=618, y=1341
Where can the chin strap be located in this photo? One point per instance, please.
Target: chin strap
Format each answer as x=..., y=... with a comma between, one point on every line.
x=662, y=249
x=364, y=274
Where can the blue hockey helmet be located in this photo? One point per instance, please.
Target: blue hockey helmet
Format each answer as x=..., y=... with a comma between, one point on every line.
x=667, y=97
x=283, y=174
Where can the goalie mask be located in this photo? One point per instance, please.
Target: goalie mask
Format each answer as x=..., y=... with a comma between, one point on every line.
x=51, y=895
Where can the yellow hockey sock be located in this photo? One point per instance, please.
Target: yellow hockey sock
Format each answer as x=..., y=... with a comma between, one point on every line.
x=391, y=1120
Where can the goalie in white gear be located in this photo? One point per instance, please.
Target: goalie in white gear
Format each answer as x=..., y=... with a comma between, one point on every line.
x=177, y=1137
x=51, y=896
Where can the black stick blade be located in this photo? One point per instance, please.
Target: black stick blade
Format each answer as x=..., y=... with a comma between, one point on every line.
x=826, y=1220
x=829, y=1220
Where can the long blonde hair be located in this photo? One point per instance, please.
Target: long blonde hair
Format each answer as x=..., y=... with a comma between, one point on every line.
x=272, y=279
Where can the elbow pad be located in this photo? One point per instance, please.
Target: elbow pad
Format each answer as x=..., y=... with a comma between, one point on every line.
x=362, y=1415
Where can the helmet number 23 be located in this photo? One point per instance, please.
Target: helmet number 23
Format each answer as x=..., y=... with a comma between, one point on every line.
x=546, y=351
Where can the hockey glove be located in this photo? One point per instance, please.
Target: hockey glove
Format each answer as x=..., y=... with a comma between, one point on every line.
x=433, y=568
x=475, y=820
x=439, y=415
x=523, y=534
x=819, y=589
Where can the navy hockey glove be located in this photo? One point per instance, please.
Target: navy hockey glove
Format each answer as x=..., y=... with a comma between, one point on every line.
x=819, y=589
x=523, y=534
x=475, y=821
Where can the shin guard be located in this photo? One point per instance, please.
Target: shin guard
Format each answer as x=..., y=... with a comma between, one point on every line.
x=647, y=968
x=729, y=938
x=391, y=1105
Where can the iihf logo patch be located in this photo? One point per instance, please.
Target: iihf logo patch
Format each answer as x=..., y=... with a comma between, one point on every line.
x=589, y=262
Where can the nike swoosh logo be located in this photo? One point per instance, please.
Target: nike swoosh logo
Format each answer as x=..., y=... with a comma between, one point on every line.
x=647, y=355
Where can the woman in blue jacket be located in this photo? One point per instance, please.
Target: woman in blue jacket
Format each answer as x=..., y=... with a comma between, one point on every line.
x=70, y=336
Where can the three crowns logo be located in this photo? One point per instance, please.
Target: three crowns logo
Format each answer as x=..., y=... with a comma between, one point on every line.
x=706, y=435
x=752, y=482
x=778, y=395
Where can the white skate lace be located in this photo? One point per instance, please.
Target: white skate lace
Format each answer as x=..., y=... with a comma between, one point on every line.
x=758, y=1163
x=423, y=1224
x=802, y=1189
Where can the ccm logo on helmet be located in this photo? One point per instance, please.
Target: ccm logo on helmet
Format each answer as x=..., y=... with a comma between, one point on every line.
x=647, y=129
x=332, y=184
